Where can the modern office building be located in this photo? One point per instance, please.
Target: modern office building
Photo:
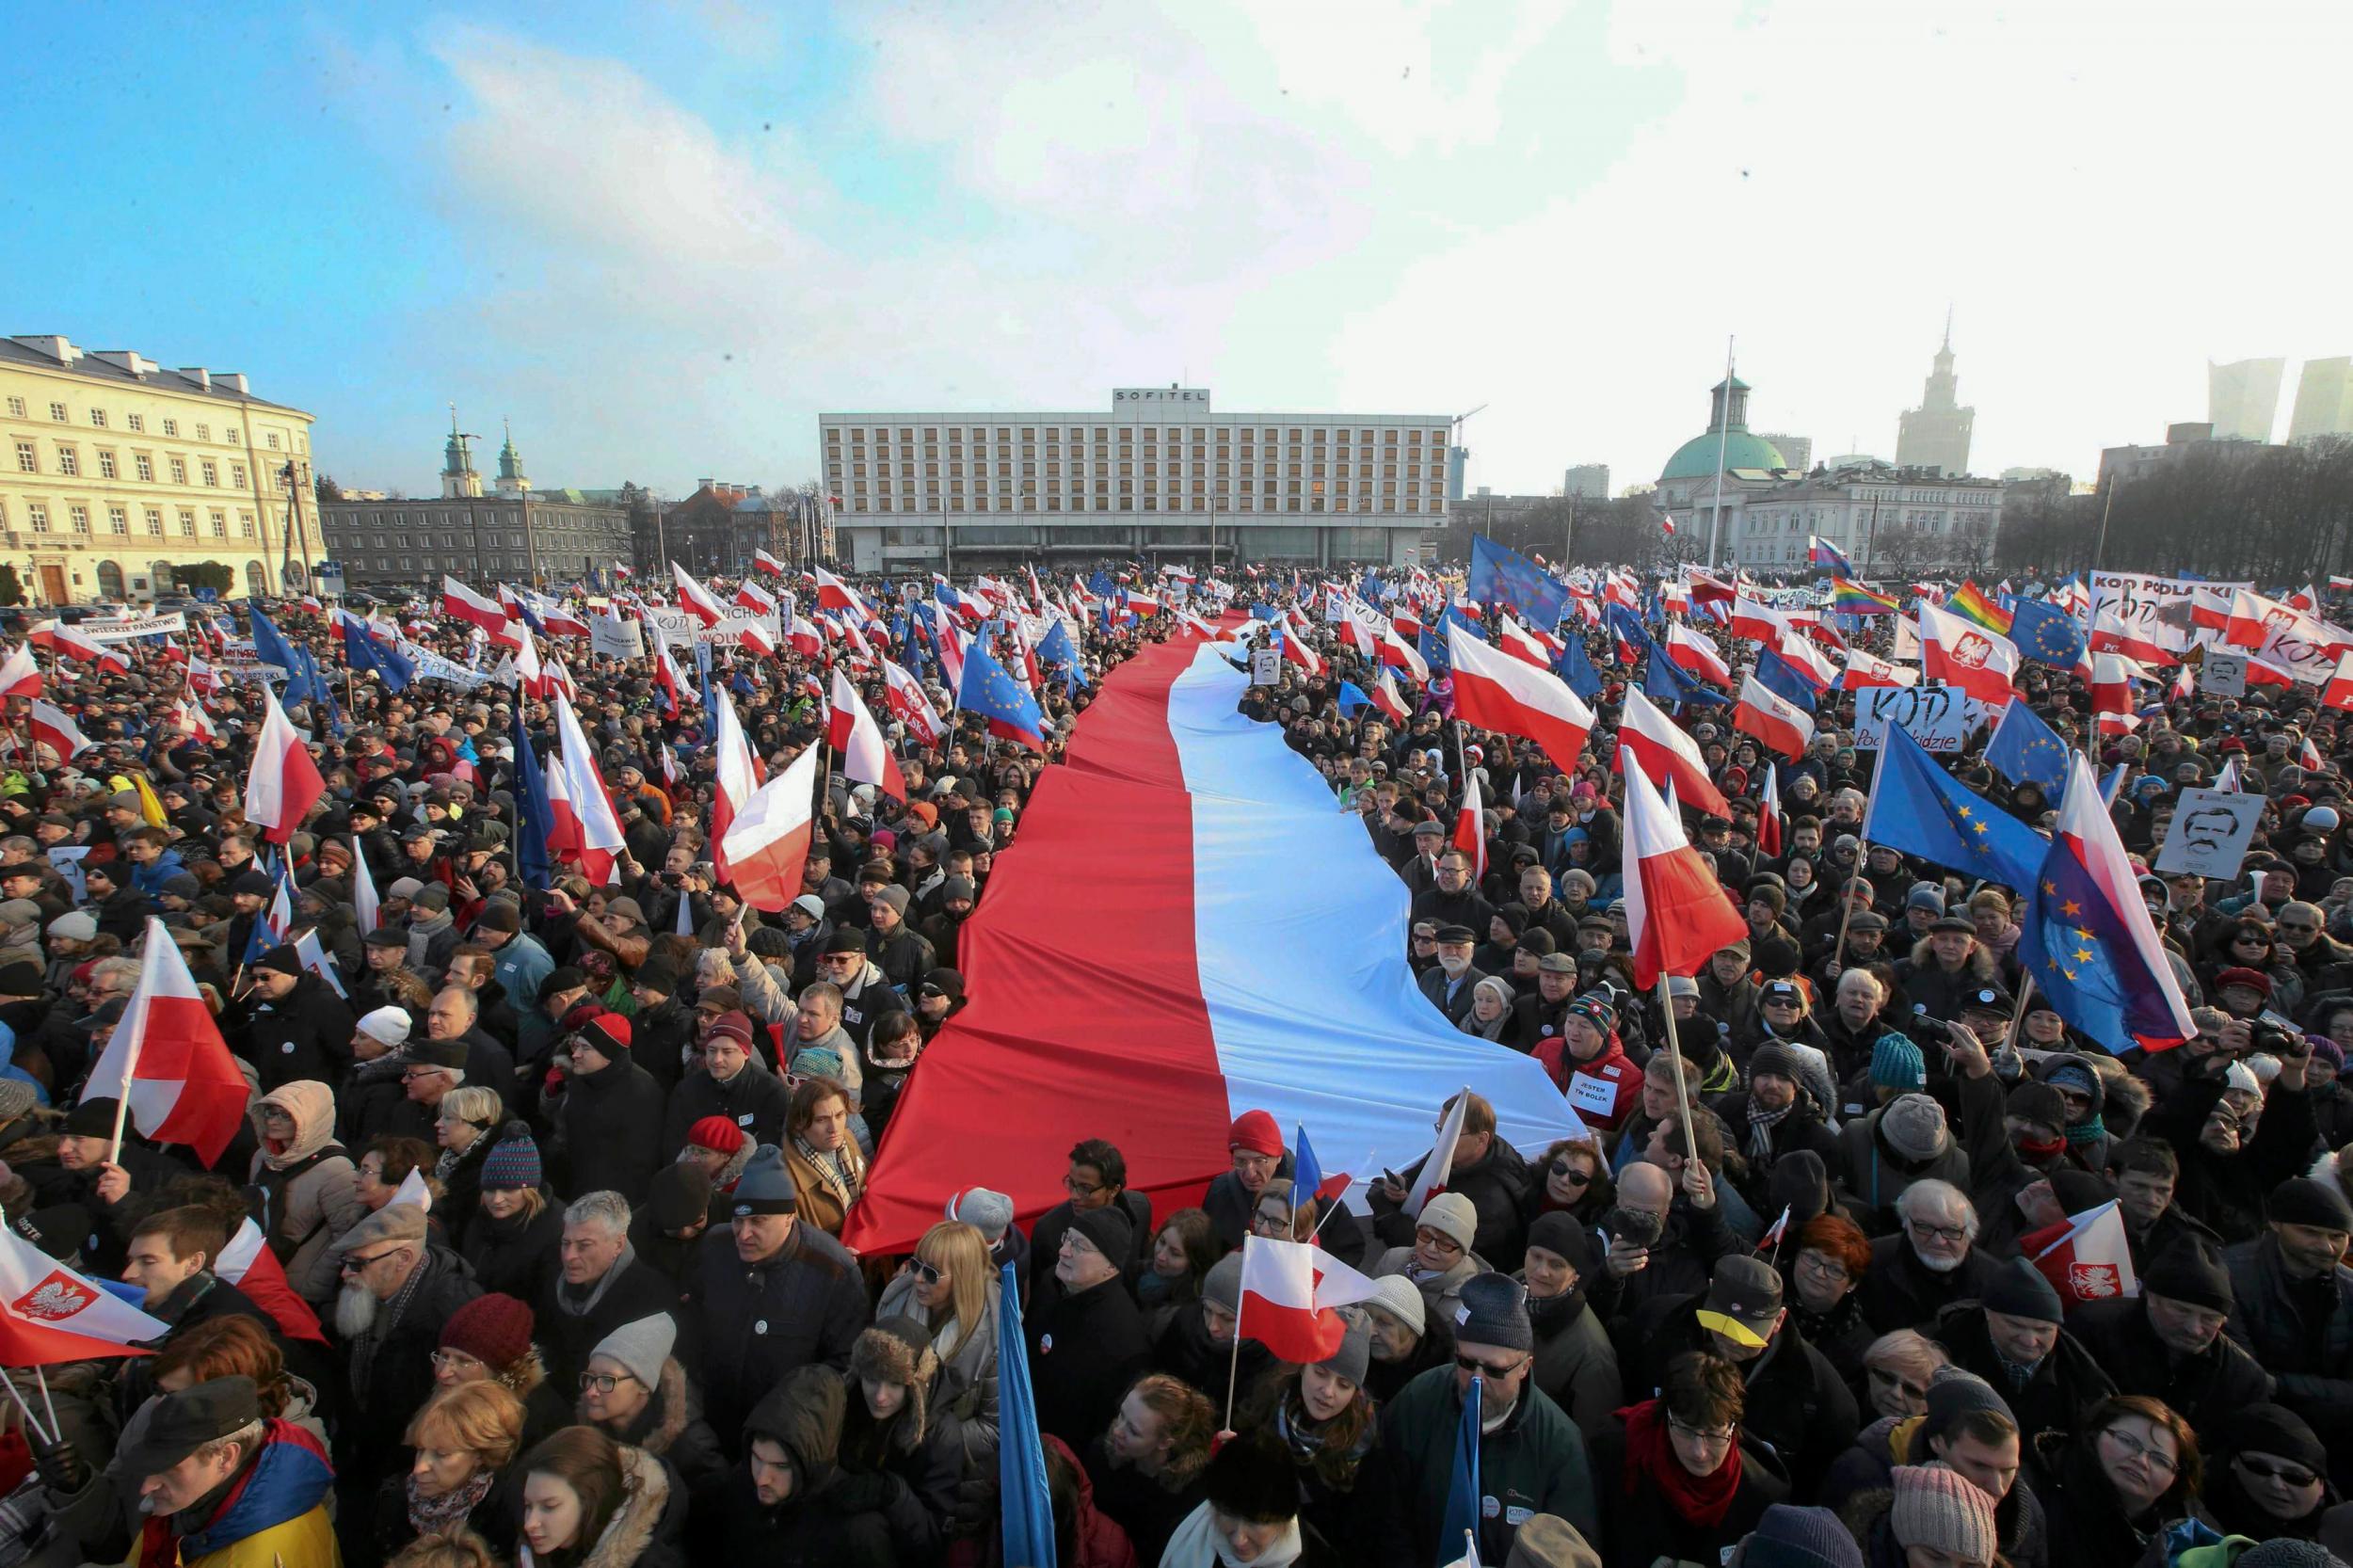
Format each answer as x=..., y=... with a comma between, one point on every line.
x=2243, y=398
x=514, y=533
x=2186, y=440
x=1936, y=434
x=1587, y=482
x=1797, y=452
x=1158, y=474
x=2323, y=400
x=120, y=471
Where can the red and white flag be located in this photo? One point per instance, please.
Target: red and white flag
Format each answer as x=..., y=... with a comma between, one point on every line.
x=1760, y=623
x=365, y=903
x=600, y=839
x=768, y=842
x=1495, y=690
x=696, y=598
x=1470, y=826
x=739, y=780
x=1768, y=833
x=73, y=643
x=1772, y=719
x=53, y=728
x=1295, y=650
x=2308, y=758
x=50, y=1314
x=19, y=676
x=247, y=1263
x=666, y=672
x=466, y=605
x=1801, y=655
x=759, y=601
x=2087, y=1258
x=166, y=1060
x=1959, y=652
x=834, y=594
x=910, y=705
x=854, y=735
x=1439, y=1165
x=2254, y=619
x=1385, y=697
x=1662, y=753
x=763, y=561
x=1676, y=914
x=1688, y=651
x=284, y=782
x=1868, y=669
x=190, y=714
x=2112, y=634
x=1520, y=643
x=1397, y=653
x=1289, y=1294
x=2112, y=677
x=755, y=638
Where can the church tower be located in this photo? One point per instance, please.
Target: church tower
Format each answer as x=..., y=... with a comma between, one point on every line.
x=512, y=481
x=459, y=479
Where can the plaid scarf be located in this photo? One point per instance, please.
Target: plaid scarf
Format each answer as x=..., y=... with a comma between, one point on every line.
x=1761, y=1125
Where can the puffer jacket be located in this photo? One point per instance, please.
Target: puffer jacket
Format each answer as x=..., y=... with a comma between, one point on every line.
x=832, y=1519
x=672, y=1428
x=644, y=1531
x=307, y=1191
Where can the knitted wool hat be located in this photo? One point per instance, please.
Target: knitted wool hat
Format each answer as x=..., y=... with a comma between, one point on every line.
x=986, y=1211
x=2019, y=1289
x=1771, y=1061
x=1494, y=1311
x=1914, y=1126
x=716, y=1133
x=495, y=1330
x=1955, y=1395
x=1355, y=1356
x=2189, y=1270
x=1111, y=1232
x=2285, y=1551
x=642, y=1346
x=1256, y=1132
x=732, y=1025
x=1896, y=1063
x=1223, y=1283
x=386, y=1026
x=1787, y=1536
x=2302, y=1201
x=2268, y=1429
x=1396, y=1295
x=1559, y=1233
x=2037, y=1102
x=513, y=1161
x=1451, y=1215
x=766, y=1187
x=1940, y=1508
x=609, y=1033
x=1597, y=1008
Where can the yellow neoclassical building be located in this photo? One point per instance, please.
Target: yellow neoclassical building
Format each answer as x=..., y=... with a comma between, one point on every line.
x=114, y=471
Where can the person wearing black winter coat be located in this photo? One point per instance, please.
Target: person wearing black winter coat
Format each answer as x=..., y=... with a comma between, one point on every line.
x=574, y=1317
x=1796, y=1401
x=1496, y=1183
x=2203, y=1387
x=515, y=1255
x=2054, y=1395
x=1087, y=1344
x=610, y=1113
x=291, y=1025
x=791, y=1505
x=753, y=1099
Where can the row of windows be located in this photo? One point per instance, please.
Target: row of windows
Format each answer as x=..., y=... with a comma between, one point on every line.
x=1152, y=486
x=42, y=516
x=231, y=435
x=1174, y=470
x=109, y=465
x=440, y=518
x=464, y=544
x=433, y=563
x=1151, y=503
x=1128, y=433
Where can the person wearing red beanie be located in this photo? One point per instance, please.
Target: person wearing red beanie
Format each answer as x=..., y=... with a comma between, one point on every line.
x=1255, y=1144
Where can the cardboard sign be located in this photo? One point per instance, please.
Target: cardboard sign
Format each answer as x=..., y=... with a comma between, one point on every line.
x=2209, y=832
x=611, y=637
x=1940, y=717
x=1266, y=668
x=2222, y=674
x=679, y=626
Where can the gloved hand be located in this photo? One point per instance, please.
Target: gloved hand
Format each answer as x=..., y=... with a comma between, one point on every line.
x=59, y=1465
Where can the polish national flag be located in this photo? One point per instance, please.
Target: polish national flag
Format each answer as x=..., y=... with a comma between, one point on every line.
x=768, y=842
x=601, y=838
x=1289, y=1294
x=167, y=1061
x=2254, y=619
x=1768, y=833
x=800, y=631
x=1495, y=690
x=1676, y=914
x=1385, y=696
x=247, y=1263
x=834, y=594
x=189, y=714
x=2111, y=633
x=696, y=598
x=2338, y=693
x=284, y=783
x=1295, y=650
x=54, y=728
x=1470, y=826
x=2263, y=672
x=1809, y=660
x=759, y=601
x=854, y=735
x=1518, y=641
x=2086, y=1256
x=763, y=561
x=2112, y=677
x=366, y=908
x=911, y=705
x=1961, y=653
x=739, y=780
x=1695, y=654
x=19, y=676
x=1438, y=1165
x=466, y=605
x=1870, y=670
x=666, y=672
x=1773, y=719
x=2308, y=758
x=529, y=673
x=1664, y=753
x=1759, y=622
x=755, y=637
x=49, y=1314
x=79, y=646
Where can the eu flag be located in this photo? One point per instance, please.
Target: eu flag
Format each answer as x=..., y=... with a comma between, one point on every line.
x=2026, y=750
x=1627, y=628
x=1775, y=675
x=1919, y=808
x=2046, y=633
x=1353, y=697
x=534, y=818
x=1577, y=667
x=1460, y=1522
x=1663, y=682
x=989, y=690
x=1058, y=646
x=1500, y=575
x=270, y=645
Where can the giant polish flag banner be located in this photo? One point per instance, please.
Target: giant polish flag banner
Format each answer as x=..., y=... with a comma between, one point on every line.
x=49, y=1314
x=166, y=1060
x=1208, y=978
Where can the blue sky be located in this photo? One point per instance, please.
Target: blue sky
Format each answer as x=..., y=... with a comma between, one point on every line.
x=662, y=238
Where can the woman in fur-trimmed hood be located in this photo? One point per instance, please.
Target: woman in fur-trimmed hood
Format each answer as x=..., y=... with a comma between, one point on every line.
x=890, y=1425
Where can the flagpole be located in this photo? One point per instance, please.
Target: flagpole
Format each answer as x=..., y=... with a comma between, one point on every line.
x=2018, y=1017
x=46, y=1402
x=1233, y=1360
x=1846, y=905
x=1674, y=1058
x=18, y=1395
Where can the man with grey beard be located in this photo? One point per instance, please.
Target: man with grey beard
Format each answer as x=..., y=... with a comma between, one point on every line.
x=398, y=1289
x=1931, y=1261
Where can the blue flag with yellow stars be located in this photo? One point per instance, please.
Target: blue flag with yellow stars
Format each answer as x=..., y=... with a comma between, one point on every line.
x=2026, y=750
x=1919, y=808
x=2046, y=633
x=989, y=690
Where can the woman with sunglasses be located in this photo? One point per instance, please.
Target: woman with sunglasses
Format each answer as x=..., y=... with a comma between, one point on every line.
x=952, y=1289
x=2274, y=1480
x=1571, y=1177
x=2128, y=1469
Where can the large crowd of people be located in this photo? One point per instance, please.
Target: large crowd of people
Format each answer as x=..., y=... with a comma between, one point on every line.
x=1776, y=1308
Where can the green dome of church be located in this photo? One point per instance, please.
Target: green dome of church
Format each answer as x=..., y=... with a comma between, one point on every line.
x=1696, y=458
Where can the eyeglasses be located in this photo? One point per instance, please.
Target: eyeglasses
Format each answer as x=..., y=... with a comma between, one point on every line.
x=2295, y=1474
x=1574, y=1174
x=410, y=1075
x=1472, y=1364
x=1077, y=1188
x=1909, y=1389
x=2297, y=926
x=603, y=1383
x=357, y=1265
x=456, y=1361
x=2133, y=1447
x=925, y=1272
x=1714, y=1436
x=1926, y=1232
x=1828, y=1268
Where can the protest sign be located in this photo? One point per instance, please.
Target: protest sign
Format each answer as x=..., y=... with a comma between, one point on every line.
x=1940, y=717
x=2209, y=832
x=611, y=637
x=123, y=629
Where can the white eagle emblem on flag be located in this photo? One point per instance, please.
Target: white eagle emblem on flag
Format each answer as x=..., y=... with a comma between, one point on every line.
x=1972, y=651
x=2094, y=1281
x=54, y=1300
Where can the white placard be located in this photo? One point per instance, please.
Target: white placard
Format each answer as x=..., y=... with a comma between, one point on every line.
x=1266, y=668
x=611, y=637
x=1940, y=717
x=2223, y=675
x=123, y=629
x=2209, y=832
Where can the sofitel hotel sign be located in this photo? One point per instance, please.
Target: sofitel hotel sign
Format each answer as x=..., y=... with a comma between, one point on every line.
x=1137, y=399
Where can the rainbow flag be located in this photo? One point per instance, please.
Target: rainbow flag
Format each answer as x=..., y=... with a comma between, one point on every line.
x=1853, y=598
x=1971, y=600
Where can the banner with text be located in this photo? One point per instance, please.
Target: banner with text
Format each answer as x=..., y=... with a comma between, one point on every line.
x=123, y=629
x=1940, y=717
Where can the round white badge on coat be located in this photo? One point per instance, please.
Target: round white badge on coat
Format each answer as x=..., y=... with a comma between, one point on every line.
x=761, y=1327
